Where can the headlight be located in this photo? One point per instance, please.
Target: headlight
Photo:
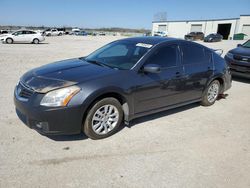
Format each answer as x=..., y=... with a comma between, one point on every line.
x=59, y=97
x=230, y=55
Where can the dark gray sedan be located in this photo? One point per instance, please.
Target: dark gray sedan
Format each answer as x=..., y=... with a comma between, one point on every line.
x=121, y=81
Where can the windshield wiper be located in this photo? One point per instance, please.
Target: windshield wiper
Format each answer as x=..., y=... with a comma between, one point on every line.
x=100, y=63
x=94, y=62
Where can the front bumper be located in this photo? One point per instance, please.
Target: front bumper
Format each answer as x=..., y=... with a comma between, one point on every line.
x=49, y=120
x=238, y=68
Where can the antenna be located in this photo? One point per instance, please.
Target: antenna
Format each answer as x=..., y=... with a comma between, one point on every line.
x=160, y=16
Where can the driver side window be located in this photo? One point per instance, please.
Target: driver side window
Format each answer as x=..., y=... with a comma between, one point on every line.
x=18, y=33
x=165, y=56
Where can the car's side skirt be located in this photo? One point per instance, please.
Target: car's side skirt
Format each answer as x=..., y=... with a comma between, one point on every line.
x=131, y=117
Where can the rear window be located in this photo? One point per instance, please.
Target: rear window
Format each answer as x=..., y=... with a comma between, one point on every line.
x=192, y=53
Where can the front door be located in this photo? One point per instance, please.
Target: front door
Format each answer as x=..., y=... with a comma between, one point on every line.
x=19, y=36
x=157, y=90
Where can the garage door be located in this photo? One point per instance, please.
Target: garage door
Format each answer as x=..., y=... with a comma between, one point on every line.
x=196, y=28
x=162, y=28
x=246, y=30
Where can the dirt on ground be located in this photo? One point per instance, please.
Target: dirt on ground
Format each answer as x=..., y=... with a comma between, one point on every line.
x=191, y=146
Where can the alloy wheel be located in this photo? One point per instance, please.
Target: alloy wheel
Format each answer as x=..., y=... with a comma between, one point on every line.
x=213, y=92
x=105, y=119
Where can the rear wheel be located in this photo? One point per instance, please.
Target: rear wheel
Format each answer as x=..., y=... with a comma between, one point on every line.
x=211, y=93
x=103, y=119
x=9, y=40
x=36, y=41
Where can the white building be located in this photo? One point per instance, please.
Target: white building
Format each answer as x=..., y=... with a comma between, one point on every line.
x=226, y=27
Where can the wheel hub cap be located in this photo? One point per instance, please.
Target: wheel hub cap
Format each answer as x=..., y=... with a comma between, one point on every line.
x=105, y=119
x=213, y=92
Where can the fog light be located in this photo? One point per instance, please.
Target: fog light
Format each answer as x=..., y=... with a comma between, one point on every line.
x=42, y=125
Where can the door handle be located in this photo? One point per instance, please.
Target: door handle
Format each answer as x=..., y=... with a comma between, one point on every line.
x=177, y=74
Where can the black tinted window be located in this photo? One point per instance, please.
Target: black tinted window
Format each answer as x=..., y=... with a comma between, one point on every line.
x=192, y=54
x=28, y=32
x=165, y=56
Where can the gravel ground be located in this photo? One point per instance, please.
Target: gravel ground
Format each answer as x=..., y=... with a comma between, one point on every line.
x=191, y=146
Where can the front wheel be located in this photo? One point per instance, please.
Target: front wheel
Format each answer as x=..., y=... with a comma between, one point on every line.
x=211, y=93
x=103, y=119
x=9, y=40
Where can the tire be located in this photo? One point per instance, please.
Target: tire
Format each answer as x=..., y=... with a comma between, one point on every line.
x=60, y=34
x=211, y=93
x=103, y=119
x=36, y=41
x=49, y=34
x=9, y=40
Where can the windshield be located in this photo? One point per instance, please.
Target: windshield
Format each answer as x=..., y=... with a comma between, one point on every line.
x=211, y=35
x=246, y=44
x=120, y=55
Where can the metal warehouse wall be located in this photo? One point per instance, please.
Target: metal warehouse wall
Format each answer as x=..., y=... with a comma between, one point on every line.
x=180, y=28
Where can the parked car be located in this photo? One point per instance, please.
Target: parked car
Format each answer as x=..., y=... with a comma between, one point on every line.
x=3, y=32
x=53, y=32
x=82, y=33
x=239, y=60
x=101, y=34
x=121, y=81
x=79, y=33
x=214, y=37
x=160, y=34
x=22, y=36
x=194, y=36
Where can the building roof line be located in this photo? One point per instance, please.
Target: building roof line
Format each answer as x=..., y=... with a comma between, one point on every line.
x=197, y=20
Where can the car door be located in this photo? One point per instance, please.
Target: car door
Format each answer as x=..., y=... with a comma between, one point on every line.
x=157, y=90
x=18, y=36
x=54, y=32
x=198, y=68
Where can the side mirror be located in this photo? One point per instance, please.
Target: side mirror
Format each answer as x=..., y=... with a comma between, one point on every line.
x=152, y=68
x=239, y=45
x=218, y=51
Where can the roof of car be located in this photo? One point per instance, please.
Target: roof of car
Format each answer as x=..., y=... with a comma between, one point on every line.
x=150, y=40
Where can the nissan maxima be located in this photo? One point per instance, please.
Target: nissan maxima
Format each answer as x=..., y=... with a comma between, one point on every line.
x=123, y=80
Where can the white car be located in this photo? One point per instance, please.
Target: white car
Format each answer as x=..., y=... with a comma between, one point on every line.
x=161, y=34
x=22, y=36
x=53, y=32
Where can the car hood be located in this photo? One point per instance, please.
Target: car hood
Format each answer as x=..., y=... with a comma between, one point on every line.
x=241, y=51
x=62, y=74
x=4, y=35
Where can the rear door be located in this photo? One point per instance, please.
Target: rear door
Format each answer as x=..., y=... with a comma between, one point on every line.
x=198, y=68
x=28, y=36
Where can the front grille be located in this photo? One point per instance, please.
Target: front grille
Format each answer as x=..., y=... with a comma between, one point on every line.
x=24, y=91
x=241, y=58
x=240, y=68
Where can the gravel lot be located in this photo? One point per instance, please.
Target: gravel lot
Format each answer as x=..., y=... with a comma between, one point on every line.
x=192, y=146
